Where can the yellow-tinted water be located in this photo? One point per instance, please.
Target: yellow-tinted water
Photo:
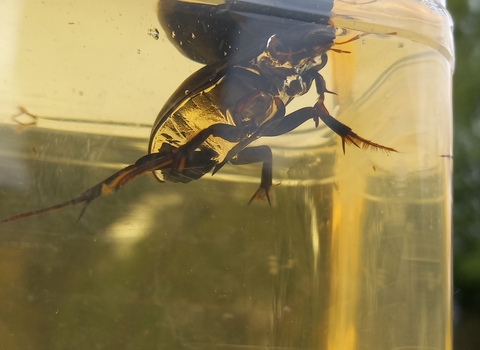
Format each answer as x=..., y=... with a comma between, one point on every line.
x=354, y=253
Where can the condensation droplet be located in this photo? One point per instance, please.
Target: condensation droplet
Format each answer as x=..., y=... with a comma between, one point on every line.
x=193, y=36
x=173, y=34
x=154, y=33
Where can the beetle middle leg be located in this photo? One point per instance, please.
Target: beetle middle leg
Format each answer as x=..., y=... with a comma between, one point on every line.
x=225, y=131
x=254, y=155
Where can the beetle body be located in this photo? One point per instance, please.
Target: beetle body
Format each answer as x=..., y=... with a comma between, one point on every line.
x=209, y=33
x=212, y=118
x=246, y=97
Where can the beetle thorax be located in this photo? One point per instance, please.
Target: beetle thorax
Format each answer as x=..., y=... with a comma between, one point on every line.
x=253, y=110
x=285, y=70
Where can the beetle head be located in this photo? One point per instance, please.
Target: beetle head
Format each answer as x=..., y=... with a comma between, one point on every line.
x=302, y=46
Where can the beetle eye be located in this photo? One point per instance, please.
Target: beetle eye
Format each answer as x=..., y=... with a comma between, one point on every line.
x=276, y=48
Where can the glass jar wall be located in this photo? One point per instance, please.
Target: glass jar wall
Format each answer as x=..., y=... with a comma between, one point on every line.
x=353, y=253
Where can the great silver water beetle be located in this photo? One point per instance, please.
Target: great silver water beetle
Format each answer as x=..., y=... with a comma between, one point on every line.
x=235, y=99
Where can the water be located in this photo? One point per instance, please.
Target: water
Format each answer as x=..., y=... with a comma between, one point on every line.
x=354, y=252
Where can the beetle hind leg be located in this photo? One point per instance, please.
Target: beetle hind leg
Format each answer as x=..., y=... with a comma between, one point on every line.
x=114, y=182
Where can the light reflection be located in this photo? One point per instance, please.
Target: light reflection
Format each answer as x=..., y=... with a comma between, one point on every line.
x=138, y=224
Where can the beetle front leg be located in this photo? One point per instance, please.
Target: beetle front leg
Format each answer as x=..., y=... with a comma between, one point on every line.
x=345, y=132
x=291, y=121
x=254, y=155
x=319, y=111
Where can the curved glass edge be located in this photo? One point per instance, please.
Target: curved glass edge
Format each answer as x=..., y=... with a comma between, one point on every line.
x=426, y=21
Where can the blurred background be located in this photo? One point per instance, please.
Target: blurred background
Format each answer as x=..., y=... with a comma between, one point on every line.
x=466, y=218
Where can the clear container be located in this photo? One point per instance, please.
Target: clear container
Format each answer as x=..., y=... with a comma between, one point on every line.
x=353, y=253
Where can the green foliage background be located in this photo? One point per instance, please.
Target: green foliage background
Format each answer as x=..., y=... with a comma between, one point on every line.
x=466, y=224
